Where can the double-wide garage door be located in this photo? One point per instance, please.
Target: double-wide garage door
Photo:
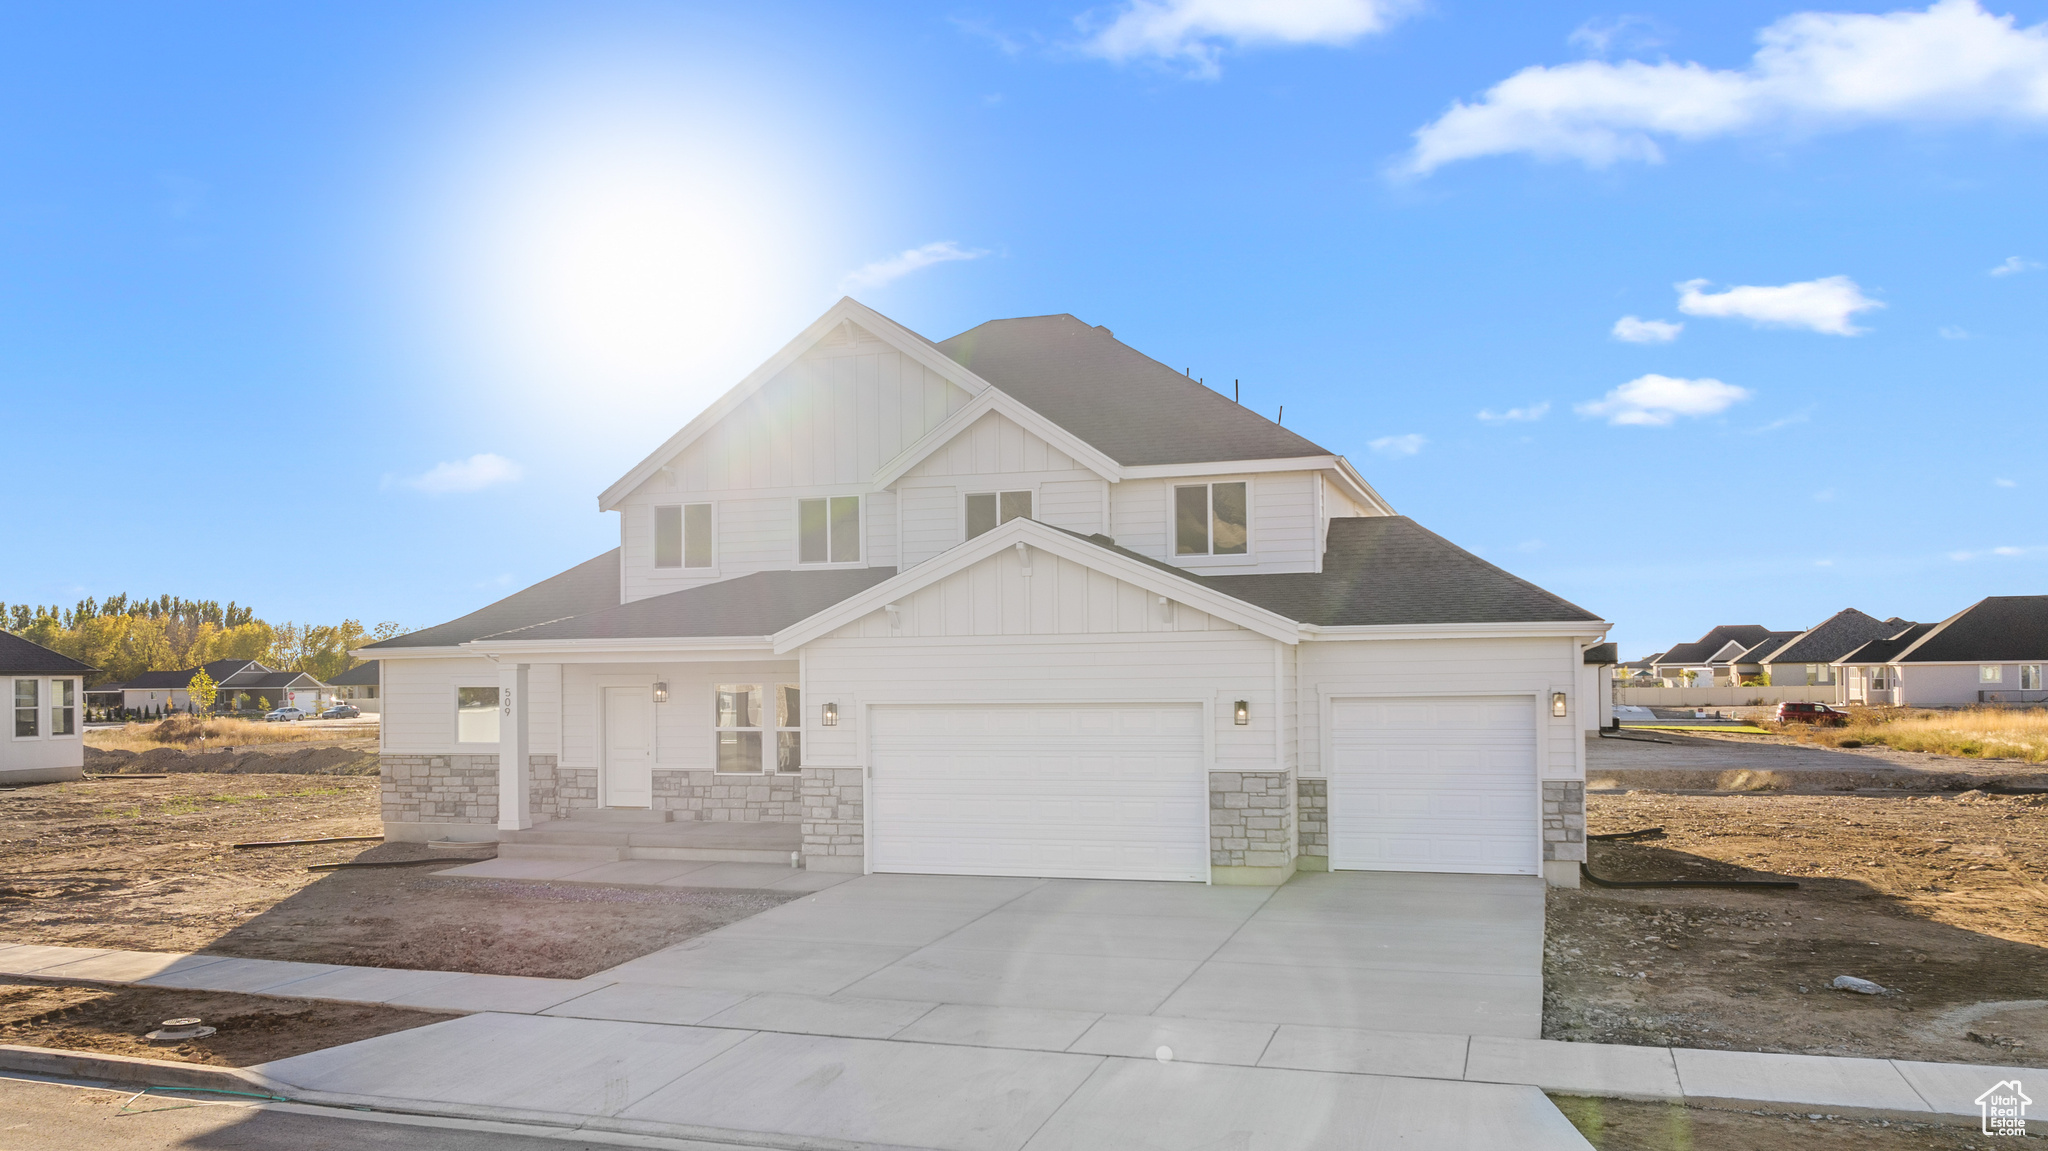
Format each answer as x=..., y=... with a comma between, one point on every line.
x=1446, y=784
x=1100, y=791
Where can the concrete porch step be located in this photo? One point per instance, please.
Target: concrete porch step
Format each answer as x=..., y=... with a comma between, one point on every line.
x=596, y=853
x=621, y=815
x=710, y=841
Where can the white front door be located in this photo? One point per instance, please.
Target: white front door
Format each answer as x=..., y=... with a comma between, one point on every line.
x=628, y=747
x=1098, y=791
x=1438, y=784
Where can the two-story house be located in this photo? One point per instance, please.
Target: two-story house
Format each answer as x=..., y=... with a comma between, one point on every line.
x=1021, y=602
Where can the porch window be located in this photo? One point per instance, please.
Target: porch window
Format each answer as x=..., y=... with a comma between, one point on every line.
x=476, y=715
x=682, y=536
x=1209, y=519
x=1991, y=673
x=63, y=707
x=987, y=510
x=28, y=697
x=745, y=725
x=2030, y=677
x=1877, y=679
x=828, y=530
x=789, y=717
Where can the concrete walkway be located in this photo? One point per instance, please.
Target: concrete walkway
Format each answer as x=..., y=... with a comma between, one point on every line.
x=959, y=1012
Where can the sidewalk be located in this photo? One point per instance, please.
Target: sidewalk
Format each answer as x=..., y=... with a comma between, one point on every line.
x=567, y=1025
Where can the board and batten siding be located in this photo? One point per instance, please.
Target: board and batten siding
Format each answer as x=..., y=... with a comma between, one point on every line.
x=419, y=705
x=1286, y=526
x=1064, y=634
x=1525, y=667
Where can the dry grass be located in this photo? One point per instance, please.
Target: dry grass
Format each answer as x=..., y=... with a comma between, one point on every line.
x=1985, y=733
x=188, y=731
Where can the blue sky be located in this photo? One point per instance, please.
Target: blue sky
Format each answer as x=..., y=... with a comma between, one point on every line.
x=272, y=280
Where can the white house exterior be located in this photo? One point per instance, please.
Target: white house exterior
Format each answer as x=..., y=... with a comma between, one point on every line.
x=1992, y=654
x=46, y=713
x=1024, y=602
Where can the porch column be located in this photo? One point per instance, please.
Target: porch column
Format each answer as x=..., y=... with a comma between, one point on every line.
x=515, y=771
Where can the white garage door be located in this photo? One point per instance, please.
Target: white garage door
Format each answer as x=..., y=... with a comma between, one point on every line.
x=1434, y=785
x=1095, y=792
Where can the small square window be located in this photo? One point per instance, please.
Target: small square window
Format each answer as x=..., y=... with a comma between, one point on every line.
x=987, y=510
x=828, y=530
x=1991, y=673
x=682, y=536
x=744, y=722
x=476, y=715
x=1211, y=519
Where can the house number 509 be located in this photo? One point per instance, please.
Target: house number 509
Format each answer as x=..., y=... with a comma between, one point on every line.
x=508, y=703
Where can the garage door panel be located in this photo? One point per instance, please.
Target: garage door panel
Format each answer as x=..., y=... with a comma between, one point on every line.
x=1109, y=791
x=1434, y=785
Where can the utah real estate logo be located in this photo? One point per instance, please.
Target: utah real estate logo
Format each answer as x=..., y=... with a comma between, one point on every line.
x=2005, y=1109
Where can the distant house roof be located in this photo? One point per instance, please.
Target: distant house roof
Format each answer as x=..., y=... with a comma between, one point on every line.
x=592, y=585
x=1696, y=653
x=361, y=675
x=1771, y=642
x=1834, y=637
x=219, y=671
x=1123, y=402
x=751, y=605
x=1883, y=650
x=25, y=657
x=1994, y=629
x=271, y=681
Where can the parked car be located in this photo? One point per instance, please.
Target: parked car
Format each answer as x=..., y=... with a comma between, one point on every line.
x=284, y=715
x=341, y=711
x=1818, y=713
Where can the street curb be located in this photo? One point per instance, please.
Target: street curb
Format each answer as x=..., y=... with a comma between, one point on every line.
x=128, y=1069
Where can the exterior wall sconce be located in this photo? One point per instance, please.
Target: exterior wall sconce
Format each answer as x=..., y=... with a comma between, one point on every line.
x=1243, y=714
x=1557, y=705
x=660, y=692
x=828, y=715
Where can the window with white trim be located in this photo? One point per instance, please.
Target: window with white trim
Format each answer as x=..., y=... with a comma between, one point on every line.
x=28, y=708
x=2030, y=677
x=1210, y=519
x=1991, y=673
x=828, y=530
x=682, y=536
x=476, y=715
x=987, y=511
x=744, y=723
x=63, y=707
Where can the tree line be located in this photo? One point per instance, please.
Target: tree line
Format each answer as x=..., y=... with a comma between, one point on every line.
x=124, y=637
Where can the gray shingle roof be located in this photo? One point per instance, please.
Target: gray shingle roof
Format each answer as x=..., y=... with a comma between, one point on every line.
x=361, y=675
x=589, y=586
x=1994, y=629
x=1882, y=650
x=1775, y=640
x=751, y=605
x=219, y=671
x=26, y=657
x=1834, y=637
x=1697, y=652
x=1124, y=403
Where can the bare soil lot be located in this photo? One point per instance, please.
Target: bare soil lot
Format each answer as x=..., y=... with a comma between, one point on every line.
x=1625, y=1125
x=1938, y=899
x=248, y=1028
x=145, y=864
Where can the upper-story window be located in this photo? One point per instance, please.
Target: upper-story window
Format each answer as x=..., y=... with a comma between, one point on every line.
x=828, y=530
x=682, y=536
x=1209, y=519
x=987, y=510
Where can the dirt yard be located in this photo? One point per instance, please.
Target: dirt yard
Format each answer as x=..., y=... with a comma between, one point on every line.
x=1938, y=899
x=248, y=1028
x=145, y=864
x=234, y=746
x=1623, y=1125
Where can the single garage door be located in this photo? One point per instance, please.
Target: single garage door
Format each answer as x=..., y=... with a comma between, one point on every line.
x=1434, y=785
x=1094, y=791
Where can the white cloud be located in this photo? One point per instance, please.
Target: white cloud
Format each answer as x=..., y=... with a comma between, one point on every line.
x=2014, y=264
x=1600, y=37
x=1195, y=32
x=474, y=474
x=1813, y=71
x=1823, y=305
x=903, y=263
x=2004, y=483
x=1952, y=332
x=1516, y=415
x=2002, y=552
x=1631, y=330
x=1656, y=401
x=1397, y=446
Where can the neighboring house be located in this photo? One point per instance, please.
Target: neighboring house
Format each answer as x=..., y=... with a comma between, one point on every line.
x=1749, y=665
x=1710, y=658
x=1639, y=672
x=240, y=685
x=1992, y=652
x=45, y=692
x=1808, y=658
x=1021, y=602
x=358, y=687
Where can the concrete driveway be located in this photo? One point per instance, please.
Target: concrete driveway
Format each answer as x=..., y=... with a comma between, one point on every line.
x=1338, y=1011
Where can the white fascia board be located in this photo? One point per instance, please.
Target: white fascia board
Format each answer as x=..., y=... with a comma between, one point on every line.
x=848, y=308
x=994, y=399
x=1338, y=467
x=1544, y=629
x=410, y=652
x=1358, y=485
x=1034, y=534
x=597, y=648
